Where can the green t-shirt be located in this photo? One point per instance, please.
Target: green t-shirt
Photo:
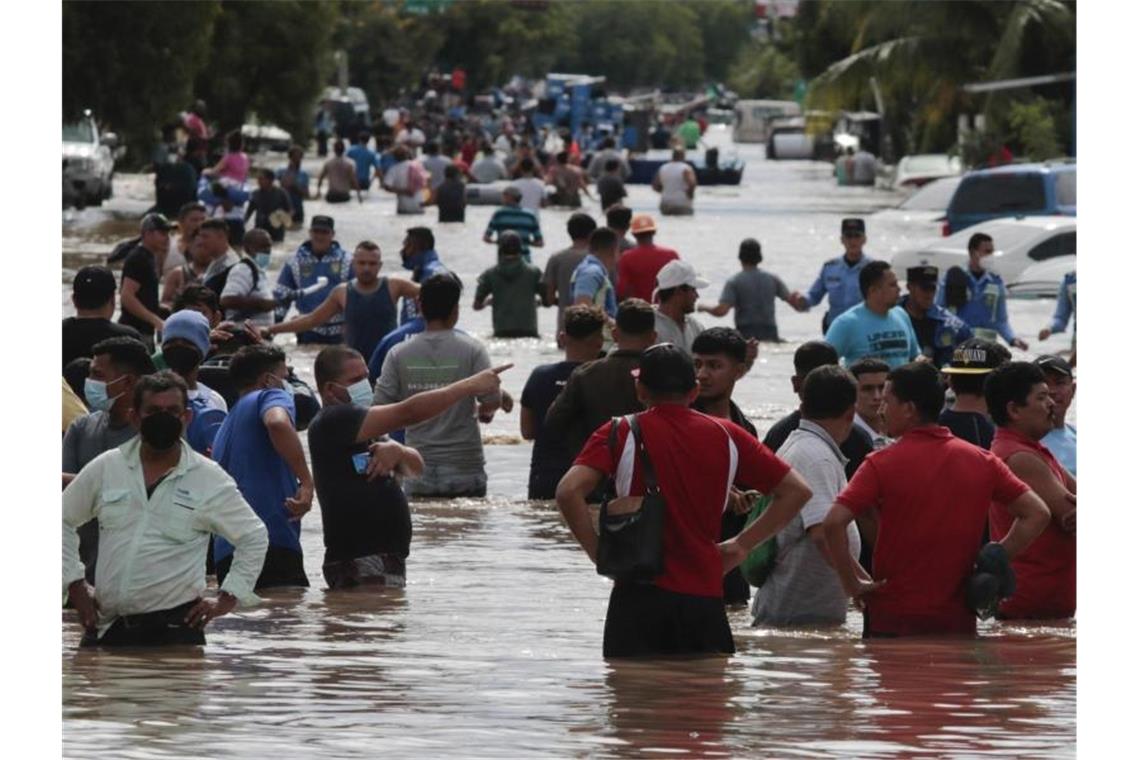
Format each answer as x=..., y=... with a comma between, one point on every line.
x=512, y=285
x=690, y=132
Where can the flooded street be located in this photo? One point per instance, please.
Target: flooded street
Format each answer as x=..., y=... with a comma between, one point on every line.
x=494, y=648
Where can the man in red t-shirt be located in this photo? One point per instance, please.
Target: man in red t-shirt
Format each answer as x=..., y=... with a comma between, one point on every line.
x=696, y=458
x=1020, y=404
x=638, y=267
x=933, y=492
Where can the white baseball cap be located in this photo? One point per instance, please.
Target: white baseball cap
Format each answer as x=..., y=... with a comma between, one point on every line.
x=677, y=273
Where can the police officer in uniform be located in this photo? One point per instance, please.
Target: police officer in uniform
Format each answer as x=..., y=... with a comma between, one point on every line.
x=839, y=277
x=938, y=331
x=984, y=310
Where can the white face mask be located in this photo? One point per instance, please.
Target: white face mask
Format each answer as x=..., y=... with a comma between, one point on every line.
x=359, y=393
x=986, y=262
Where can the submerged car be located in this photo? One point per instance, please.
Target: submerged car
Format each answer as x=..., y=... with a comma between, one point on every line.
x=918, y=170
x=88, y=162
x=1018, y=245
x=918, y=217
x=1040, y=189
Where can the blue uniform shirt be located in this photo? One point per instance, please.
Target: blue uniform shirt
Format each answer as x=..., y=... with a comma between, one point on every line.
x=839, y=281
x=860, y=332
x=244, y=450
x=301, y=271
x=1062, y=442
x=985, y=307
x=1066, y=304
x=949, y=331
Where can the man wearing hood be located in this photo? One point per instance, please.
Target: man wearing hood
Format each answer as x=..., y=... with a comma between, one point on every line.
x=512, y=285
x=319, y=256
x=419, y=257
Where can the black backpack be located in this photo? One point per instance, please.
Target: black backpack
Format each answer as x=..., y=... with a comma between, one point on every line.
x=217, y=283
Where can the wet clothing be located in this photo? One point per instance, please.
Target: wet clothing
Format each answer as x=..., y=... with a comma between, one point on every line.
x=985, y=306
x=262, y=204
x=244, y=450
x=969, y=426
x=839, y=281
x=301, y=271
x=450, y=443
x=80, y=334
x=359, y=517
x=567, y=182
x=938, y=332
x=928, y=533
x=637, y=270
x=368, y=317
x=647, y=621
x=512, y=285
x=451, y=199
x=1062, y=442
x=140, y=267
x=1066, y=305
x=1046, y=571
x=365, y=160
x=803, y=588
x=159, y=628
x=248, y=280
x=860, y=332
x=668, y=331
x=591, y=279
x=154, y=544
x=594, y=393
x=385, y=570
x=422, y=265
x=297, y=193
x=752, y=293
x=550, y=457
x=674, y=192
x=559, y=269
x=610, y=190
x=696, y=458
x=516, y=219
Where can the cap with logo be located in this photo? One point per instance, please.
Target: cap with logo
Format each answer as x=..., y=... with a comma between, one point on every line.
x=94, y=284
x=642, y=223
x=321, y=223
x=923, y=275
x=852, y=226
x=664, y=368
x=975, y=356
x=155, y=221
x=1054, y=363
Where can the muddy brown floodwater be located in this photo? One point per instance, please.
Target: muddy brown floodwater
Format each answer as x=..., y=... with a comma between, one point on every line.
x=494, y=647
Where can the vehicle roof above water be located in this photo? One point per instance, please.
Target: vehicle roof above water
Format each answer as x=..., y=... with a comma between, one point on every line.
x=1006, y=231
x=1045, y=167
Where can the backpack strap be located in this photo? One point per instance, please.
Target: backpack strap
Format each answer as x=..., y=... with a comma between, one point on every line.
x=648, y=474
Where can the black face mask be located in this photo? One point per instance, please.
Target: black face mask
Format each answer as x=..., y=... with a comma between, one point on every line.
x=160, y=430
x=182, y=359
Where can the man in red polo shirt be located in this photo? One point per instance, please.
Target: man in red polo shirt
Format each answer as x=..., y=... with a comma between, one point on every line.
x=1020, y=404
x=638, y=267
x=696, y=458
x=933, y=493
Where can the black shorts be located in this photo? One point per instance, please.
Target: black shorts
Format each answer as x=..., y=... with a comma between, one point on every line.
x=283, y=567
x=646, y=621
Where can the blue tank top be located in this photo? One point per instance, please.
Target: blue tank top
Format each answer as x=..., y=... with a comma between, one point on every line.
x=368, y=318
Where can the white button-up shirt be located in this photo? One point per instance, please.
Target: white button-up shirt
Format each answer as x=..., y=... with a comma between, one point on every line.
x=152, y=551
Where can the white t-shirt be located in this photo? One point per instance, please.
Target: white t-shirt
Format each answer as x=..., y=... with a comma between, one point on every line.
x=212, y=398
x=174, y=257
x=239, y=282
x=673, y=185
x=533, y=191
x=397, y=177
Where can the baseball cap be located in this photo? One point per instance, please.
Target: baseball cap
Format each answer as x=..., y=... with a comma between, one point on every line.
x=321, y=222
x=155, y=221
x=852, y=226
x=189, y=325
x=677, y=273
x=664, y=368
x=922, y=274
x=93, y=284
x=975, y=356
x=1054, y=363
x=642, y=223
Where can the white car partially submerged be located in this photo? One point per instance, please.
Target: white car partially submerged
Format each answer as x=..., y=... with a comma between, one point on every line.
x=918, y=217
x=1019, y=243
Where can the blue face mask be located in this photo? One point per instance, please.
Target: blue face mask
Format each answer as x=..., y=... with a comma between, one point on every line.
x=262, y=260
x=95, y=391
x=359, y=393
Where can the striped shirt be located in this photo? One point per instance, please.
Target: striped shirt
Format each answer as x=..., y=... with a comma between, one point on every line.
x=520, y=220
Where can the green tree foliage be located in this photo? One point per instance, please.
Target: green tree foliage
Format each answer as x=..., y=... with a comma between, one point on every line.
x=1033, y=126
x=762, y=71
x=387, y=51
x=272, y=59
x=133, y=64
x=725, y=26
